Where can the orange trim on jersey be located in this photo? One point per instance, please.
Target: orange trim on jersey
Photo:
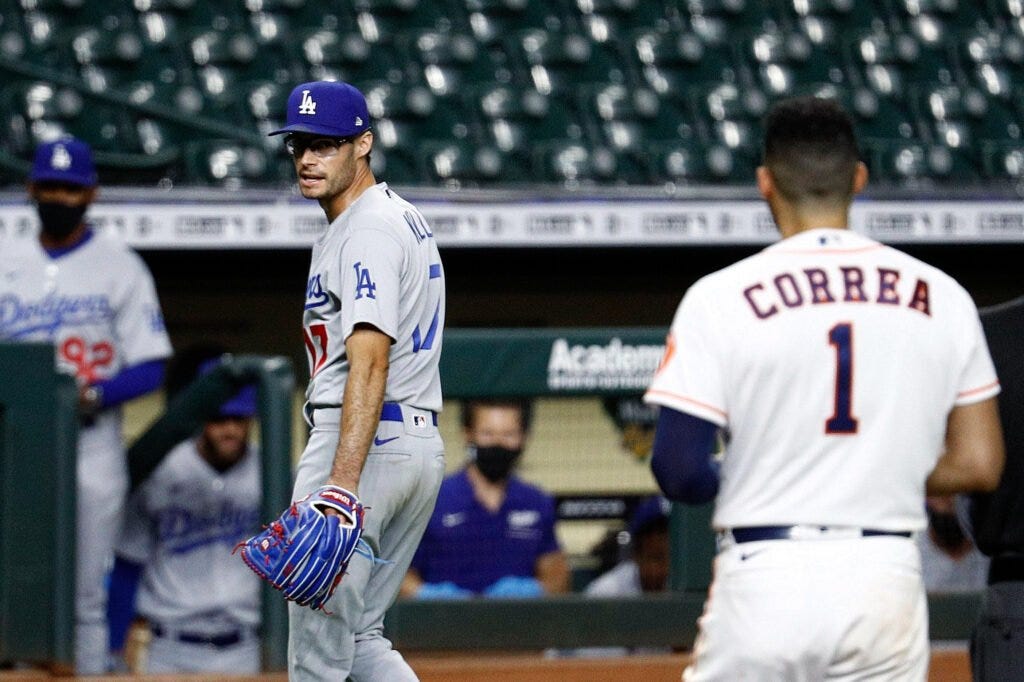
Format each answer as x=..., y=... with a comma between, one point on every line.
x=964, y=394
x=688, y=400
x=860, y=249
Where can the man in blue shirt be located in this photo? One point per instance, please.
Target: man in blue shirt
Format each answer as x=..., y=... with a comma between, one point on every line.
x=491, y=533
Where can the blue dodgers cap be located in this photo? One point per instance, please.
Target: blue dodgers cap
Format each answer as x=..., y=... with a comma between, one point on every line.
x=66, y=160
x=328, y=108
x=242, y=404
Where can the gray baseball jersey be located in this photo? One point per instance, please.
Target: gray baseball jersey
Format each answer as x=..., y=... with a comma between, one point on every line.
x=97, y=304
x=377, y=264
x=181, y=525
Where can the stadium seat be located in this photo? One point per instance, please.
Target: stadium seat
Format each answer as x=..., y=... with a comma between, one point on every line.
x=225, y=163
x=99, y=46
x=692, y=162
x=558, y=62
x=514, y=119
x=348, y=56
x=393, y=159
x=728, y=102
x=673, y=62
x=451, y=61
x=266, y=102
x=662, y=15
x=849, y=14
x=47, y=112
x=407, y=117
x=630, y=118
x=889, y=63
x=492, y=20
x=570, y=164
x=460, y=164
x=655, y=90
x=1003, y=160
x=379, y=19
x=786, y=60
x=917, y=164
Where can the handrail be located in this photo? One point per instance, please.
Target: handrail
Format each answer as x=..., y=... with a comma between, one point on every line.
x=116, y=96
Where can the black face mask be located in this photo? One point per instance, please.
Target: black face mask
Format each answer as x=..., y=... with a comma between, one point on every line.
x=60, y=220
x=493, y=461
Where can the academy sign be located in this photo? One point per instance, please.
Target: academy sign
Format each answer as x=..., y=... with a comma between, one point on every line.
x=613, y=366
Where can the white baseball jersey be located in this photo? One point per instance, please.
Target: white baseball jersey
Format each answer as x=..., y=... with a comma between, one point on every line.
x=376, y=264
x=182, y=524
x=833, y=362
x=97, y=304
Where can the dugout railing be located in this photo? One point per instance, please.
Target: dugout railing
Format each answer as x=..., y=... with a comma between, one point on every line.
x=38, y=432
x=38, y=435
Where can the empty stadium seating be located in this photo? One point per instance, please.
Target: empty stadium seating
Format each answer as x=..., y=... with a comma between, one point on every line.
x=489, y=92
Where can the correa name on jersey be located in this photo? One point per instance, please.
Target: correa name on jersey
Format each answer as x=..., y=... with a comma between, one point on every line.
x=182, y=529
x=21, y=317
x=836, y=284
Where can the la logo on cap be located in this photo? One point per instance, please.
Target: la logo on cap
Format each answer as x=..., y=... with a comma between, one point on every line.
x=60, y=159
x=307, y=106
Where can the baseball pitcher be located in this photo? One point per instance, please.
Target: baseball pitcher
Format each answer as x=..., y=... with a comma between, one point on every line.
x=368, y=478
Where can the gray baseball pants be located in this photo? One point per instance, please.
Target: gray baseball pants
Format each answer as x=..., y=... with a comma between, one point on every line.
x=398, y=487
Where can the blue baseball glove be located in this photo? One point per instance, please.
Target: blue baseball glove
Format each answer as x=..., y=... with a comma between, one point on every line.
x=304, y=553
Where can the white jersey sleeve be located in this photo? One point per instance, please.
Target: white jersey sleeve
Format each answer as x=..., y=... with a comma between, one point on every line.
x=978, y=378
x=139, y=323
x=690, y=378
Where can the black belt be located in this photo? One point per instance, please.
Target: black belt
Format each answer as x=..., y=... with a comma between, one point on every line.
x=218, y=641
x=1006, y=569
x=757, y=533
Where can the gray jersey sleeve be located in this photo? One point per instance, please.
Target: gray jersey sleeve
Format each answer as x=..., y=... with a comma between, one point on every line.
x=371, y=276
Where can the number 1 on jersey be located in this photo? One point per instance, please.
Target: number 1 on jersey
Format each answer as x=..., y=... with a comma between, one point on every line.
x=842, y=420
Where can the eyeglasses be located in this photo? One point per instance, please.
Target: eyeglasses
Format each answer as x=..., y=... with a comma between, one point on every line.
x=322, y=147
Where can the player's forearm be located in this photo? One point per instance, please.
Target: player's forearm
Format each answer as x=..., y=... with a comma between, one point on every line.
x=950, y=478
x=360, y=415
x=974, y=456
x=360, y=409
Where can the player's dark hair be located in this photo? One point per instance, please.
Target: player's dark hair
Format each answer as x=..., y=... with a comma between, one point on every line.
x=523, y=405
x=811, y=150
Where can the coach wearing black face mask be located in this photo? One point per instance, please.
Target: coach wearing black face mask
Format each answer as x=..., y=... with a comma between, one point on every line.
x=491, y=533
x=92, y=298
x=62, y=185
